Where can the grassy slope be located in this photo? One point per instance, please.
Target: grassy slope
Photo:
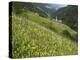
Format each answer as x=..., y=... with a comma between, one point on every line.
x=36, y=36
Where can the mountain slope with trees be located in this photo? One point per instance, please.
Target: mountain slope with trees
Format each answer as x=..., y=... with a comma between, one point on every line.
x=69, y=16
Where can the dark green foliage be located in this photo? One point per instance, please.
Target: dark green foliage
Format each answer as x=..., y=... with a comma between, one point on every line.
x=69, y=15
x=67, y=34
x=41, y=13
x=17, y=7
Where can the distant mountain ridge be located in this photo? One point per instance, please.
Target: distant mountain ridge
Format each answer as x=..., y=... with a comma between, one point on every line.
x=67, y=13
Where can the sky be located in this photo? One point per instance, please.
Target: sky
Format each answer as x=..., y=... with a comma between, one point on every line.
x=55, y=6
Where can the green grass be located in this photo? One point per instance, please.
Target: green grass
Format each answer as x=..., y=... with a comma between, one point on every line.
x=50, y=24
x=35, y=36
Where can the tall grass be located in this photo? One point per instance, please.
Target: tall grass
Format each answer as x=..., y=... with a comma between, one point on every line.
x=35, y=36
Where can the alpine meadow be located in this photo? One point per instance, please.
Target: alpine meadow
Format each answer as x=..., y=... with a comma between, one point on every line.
x=43, y=29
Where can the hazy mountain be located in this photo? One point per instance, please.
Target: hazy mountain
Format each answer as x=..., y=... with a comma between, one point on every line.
x=69, y=15
x=50, y=9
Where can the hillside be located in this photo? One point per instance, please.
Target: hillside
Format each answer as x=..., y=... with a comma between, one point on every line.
x=69, y=15
x=34, y=36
